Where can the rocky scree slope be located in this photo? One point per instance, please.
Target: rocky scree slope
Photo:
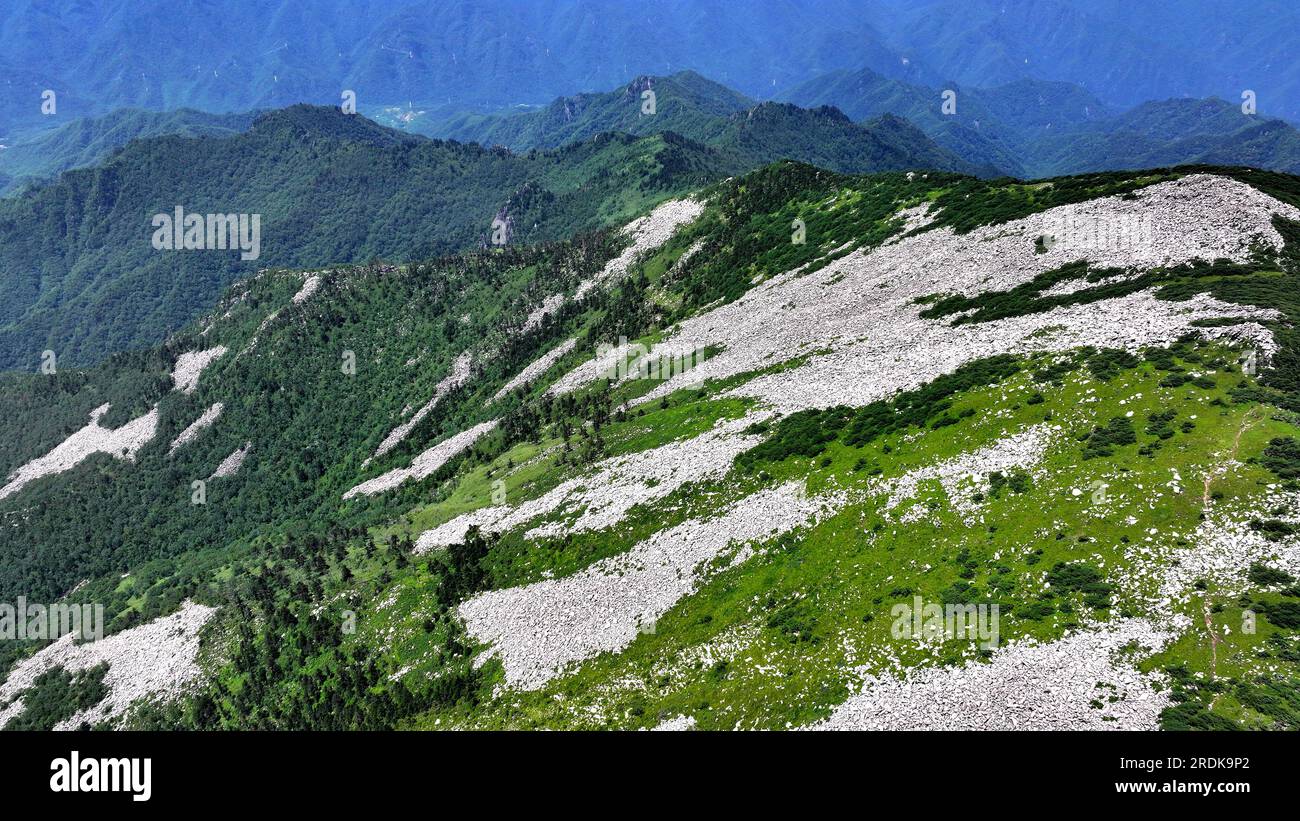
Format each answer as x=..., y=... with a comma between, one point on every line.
x=1073, y=401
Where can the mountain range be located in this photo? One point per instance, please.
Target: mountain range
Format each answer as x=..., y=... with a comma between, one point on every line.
x=41, y=156
x=104, y=55
x=649, y=365
x=84, y=280
x=1032, y=128
x=1025, y=129
x=577, y=163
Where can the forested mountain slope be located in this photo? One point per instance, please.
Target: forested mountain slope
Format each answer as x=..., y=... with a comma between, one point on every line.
x=685, y=103
x=750, y=133
x=443, y=494
x=83, y=278
x=87, y=141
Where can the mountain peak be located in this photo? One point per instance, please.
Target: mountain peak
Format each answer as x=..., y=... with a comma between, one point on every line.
x=305, y=120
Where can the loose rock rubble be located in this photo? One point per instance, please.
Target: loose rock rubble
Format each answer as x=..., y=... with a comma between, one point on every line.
x=121, y=443
x=540, y=628
x=152, y=660
x=859, y=323
x=1219, y=550
x=1026, y=686
x=606, y=495
x=536, y=368
x=199, y=425
x=916, y=217
x=676, y=724
x=309, y=287
x=603, y=365
x=549, y=306
x=460, y=372
x=426, y=463
x=648, y=233
x=232, y=463
x=964, y=475
x=190, y=366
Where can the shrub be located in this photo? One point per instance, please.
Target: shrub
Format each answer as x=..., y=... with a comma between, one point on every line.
x=1069, y=577
x=1283, y=614
x=1035, y=610
x=805, y=433
x=1107, y=363
x=1273, y=529
x=1192, y=715
x=1265, y=576
x=1103, y=439
x=1158, y=424
x=1282, y=456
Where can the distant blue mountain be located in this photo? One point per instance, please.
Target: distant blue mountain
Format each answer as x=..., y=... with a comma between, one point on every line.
x=239, y=55
x=1037, y=128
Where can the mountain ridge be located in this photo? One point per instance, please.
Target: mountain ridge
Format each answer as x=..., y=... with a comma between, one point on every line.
x=329, y=187
x=737, y=510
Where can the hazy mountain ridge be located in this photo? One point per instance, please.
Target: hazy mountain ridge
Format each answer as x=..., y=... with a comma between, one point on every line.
x=684, y=102
x=705, y=111
x=1042, y=129
x=88, y=141
x=83, y=279
x=268, y=55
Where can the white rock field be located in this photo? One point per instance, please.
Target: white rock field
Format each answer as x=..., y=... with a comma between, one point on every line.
x=120, y=443
x=232, y=463
x=309, y=286
x=1026, y=686
x=858, y=326
x=196, y=427
x=190, y=366
x=426, y=463
x=861, y=309
x=549, y=306
x=536, y=368
x=964, y=475
x=460, y=371
x=858, y=322
x=647, y=234
x=538, y=629
x=152, y=660
x=617, y=484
